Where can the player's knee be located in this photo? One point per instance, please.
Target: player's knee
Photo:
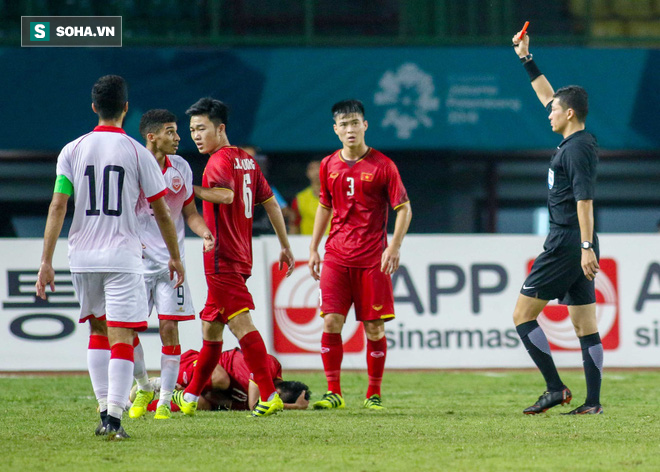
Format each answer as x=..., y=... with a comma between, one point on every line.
x=522, y=316
x=374, y=330
x=98, y=327
x=333, y=323
x=169, y=332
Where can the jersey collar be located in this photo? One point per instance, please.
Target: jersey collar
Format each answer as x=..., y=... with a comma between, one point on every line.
x=574, y=135
x=350, y=163
x=168, y=163
x=109, y=129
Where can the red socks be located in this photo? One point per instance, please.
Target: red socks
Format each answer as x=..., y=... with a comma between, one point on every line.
x=255, y=355
x=332, y=353
x=208, y=358
x=376, y=353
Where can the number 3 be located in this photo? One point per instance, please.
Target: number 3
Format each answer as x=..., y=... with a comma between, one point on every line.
x=351, y=186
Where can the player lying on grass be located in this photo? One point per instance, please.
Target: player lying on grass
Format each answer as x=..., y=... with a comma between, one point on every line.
x=231, y=386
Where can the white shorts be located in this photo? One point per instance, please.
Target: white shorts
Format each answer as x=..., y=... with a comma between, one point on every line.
x=171, y=303
x=117, y=297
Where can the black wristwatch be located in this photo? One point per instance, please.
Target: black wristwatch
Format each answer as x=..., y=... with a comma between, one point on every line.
x=587, y=245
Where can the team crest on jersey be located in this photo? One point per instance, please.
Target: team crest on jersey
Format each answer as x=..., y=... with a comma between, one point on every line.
x=551, y=178
x=334, y=175
x=367, y=177
x=177, y=183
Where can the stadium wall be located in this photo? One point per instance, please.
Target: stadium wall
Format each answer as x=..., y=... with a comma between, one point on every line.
x=454, y=296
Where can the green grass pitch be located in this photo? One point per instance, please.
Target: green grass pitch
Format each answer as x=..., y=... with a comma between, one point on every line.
x=454, y=421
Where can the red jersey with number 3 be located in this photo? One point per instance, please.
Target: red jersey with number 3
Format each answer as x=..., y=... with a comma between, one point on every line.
x=231, y=225
x=359, y=193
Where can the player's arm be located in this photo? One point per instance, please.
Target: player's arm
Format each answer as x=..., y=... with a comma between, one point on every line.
x=168, y=231
x=222, y=196
x=389, y=262
x=277, y=220
x=585, y=212
x=197, y=224
x=540, y=83
x=321, y=220
x=56, y=214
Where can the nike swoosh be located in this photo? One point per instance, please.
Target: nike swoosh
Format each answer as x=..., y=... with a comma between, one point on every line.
x=525, y=287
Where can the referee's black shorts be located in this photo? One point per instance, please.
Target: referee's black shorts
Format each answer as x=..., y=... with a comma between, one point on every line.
x=557, y=271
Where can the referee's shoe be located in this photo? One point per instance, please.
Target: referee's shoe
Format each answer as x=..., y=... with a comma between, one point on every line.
x=586, y=410
x=548, y=400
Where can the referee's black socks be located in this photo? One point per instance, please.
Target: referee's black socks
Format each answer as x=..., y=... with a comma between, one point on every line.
x=538, y=348
x=592, y=359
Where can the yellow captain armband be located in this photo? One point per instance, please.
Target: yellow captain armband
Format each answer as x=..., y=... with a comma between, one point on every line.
x=63, y=185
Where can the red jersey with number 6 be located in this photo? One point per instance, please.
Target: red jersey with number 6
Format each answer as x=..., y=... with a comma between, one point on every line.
x=231, y=225
x=359, y=193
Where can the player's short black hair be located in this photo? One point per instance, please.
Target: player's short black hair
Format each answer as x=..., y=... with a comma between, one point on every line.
x=153, y=120
x=290, y=390
x=575, y=97
x=216, y=110
x=109, y=95
x=347, y=107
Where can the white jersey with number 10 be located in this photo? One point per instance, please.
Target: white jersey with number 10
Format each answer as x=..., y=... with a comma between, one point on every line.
x=108, y=169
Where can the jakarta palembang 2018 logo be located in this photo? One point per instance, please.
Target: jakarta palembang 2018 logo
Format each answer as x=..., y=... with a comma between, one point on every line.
x=409, y=95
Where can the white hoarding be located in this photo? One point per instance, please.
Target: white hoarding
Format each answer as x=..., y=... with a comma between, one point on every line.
x=454, y=297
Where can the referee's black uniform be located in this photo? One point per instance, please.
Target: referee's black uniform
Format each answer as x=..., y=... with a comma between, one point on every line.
x=557, y=271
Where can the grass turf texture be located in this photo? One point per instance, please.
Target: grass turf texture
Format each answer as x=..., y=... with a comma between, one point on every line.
x=434, y=421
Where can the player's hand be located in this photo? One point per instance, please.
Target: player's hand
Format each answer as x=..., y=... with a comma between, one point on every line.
x=209, y=242
x=45, y=277
x=176, y=266
x=314, y=264
x=590, y=265
x=301, y=403
x=520, y=46
x=389, y=262
x=286, y=257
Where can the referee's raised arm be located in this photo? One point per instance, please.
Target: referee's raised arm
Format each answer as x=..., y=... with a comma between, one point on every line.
x=539, y=82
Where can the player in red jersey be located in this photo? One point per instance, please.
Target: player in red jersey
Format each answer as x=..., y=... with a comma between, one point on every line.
x=231, y=386
x=357, y=184
x=231, y=186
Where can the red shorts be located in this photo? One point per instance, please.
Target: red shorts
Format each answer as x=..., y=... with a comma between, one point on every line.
x=369, y=289
x=227, y=297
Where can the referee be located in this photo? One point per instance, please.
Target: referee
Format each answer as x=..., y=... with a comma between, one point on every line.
x=569, y=262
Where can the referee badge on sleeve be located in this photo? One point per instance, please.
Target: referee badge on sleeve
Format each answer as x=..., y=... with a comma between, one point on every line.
x=551, y=178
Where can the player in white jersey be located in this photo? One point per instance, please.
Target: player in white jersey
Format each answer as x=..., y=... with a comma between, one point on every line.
x=106, y=170
x=173, y=304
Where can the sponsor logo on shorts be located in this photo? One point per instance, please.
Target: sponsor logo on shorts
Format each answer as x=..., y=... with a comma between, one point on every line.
x=377, y=307
x=556, y=322
x=297, y=326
